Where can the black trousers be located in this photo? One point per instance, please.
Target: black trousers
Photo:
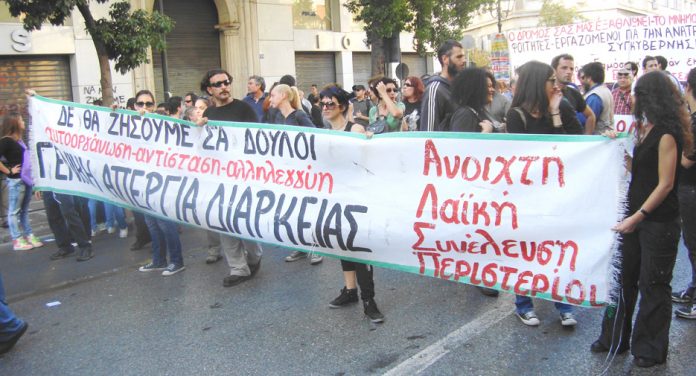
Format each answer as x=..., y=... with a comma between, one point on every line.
x=363, y=274
x=648, y=257
x=65, y=221
x=687, y=209
x=142, y=234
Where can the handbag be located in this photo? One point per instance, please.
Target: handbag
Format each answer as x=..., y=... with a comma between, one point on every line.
x=378, y=126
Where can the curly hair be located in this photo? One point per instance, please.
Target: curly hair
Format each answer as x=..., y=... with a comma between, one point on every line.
x=661, y=103
x=470, y=88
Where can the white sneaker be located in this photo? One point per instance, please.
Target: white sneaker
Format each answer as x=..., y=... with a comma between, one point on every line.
x=123, y=233
x=568, y=319
x=530, y=318
x=111, y=230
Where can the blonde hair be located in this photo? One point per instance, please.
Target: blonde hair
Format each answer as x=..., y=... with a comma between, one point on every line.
x=291, y=93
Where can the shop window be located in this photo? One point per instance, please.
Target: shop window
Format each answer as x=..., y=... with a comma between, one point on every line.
x=312, y=14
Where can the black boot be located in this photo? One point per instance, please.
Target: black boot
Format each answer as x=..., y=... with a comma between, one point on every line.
x=347, y=296
x=372, y=311
x=85, y=254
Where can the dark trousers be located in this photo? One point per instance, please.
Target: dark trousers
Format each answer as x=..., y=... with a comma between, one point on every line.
x=62, y=212
x=142, y=234
x=687, y=209
x=363, y=273
x=648, y=256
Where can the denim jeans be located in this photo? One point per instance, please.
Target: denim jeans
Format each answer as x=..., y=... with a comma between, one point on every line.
x=165, y=234
x=9, y=323
x=111, y=212
x=19, y=197
x=687, y=210
x=524, y=304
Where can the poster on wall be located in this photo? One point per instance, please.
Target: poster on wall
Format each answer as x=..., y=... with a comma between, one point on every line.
x=500, y=58
x=612, y=41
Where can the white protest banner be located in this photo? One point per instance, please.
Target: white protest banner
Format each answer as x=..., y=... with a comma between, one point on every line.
x=612, y=41
x=525, y=214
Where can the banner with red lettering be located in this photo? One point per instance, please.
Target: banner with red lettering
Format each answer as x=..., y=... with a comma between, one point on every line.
x=612, y=41
x=525, y=214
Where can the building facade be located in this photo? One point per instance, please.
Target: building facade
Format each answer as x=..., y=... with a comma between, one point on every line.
x=315, y=40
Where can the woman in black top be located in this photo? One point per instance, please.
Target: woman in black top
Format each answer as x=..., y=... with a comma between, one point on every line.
x=472, y=90
x=412, y=93
x=537, y=106
x=650, y=232
x=286, y=100
x=17, y=166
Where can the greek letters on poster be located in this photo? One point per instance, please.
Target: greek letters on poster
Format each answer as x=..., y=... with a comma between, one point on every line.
x=524, y=214
x=612, y=41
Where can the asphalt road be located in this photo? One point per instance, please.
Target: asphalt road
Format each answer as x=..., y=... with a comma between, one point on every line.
x=114, y=320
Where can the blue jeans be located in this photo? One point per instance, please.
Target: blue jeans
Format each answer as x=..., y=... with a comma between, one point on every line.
x=164, y=232
x=111, y=212
x=9, y=323
x=18, y=200
x=524, y=304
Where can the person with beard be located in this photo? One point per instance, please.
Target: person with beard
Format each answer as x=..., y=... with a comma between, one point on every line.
x=598, y=96
x=243, y=256
x=564, y=65
x=437, y=101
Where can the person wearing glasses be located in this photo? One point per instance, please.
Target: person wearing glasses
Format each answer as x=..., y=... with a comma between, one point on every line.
x=412, y=93
x=538, y=107
x=388, y=109
x=189, y=101
x=163, y=232
x=334, y=103
x=243, y=256
x=623, y=101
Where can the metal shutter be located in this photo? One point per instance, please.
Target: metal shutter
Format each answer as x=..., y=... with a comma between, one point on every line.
x=48, y=75
x=362, y=68
x=314, y=68
x=416, y=64
x=193, y=46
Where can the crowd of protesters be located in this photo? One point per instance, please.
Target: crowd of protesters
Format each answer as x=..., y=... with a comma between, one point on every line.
x=541, y=99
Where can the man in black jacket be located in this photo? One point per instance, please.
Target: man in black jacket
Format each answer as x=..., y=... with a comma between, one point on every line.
x=437, y=99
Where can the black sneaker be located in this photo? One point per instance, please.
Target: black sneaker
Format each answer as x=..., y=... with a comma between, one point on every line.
x=62, y=253
x=687, y=312
x=232, y=280
x=686, y=296
x=372, y=311
x=347, y=296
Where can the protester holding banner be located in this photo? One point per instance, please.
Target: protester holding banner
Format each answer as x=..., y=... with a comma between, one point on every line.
x=162, y=231
x=286, y=100
x=334, y=103
x=472, y=90
x=650, y=232
x=538, y=107
x=687, y=209
x=17, y=167
x=388, y=110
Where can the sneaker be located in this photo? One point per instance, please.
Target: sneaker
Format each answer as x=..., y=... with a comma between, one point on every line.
x=347, y=296
x=34, y=241
x=232, y=280
x=315, y=259
x=151, y=268
x=685, y=296
x=20, y=244
x=94, y=233
x=568, y=319
x=372, y=311
x=111, y=230
x=295, y=255
x=530, y=318
x=62, y=253
x=687, y=312
x=101, y=227
x=172, y=269
x=211, y=259
x=123, y=233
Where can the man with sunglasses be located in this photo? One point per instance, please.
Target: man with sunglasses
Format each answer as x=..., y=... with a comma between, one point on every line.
x=622, y=93
x=243, y=256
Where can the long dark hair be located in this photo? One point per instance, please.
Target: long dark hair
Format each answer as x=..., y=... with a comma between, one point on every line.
x=530, y=93
x=10, y=125
x=470, y=88
x=659, y=100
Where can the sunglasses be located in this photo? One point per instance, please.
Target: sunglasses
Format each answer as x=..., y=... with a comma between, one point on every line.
x=187, y=101
x=144, y=104
x=220, y=83
x=390, y=90
x=327, y=104
x=408, y=84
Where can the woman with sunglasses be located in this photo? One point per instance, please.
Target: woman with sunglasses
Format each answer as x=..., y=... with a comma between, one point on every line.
x=538, y=107
x=334, y=102
x=162, y=231
x=388, y=109
x=286, y=100
x=411, y=93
